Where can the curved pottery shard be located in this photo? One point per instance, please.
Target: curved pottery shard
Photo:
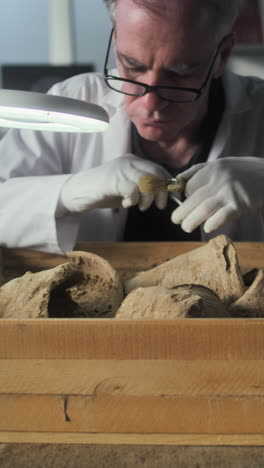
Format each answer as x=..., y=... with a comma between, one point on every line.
x=86, y=286
x=101, y=291
x=39, y=295
x=157, y=302
x=214, y=265
x=251, y=303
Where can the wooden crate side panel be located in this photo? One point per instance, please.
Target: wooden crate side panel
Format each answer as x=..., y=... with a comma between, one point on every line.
x=132, y=256
x=132, y=396
x=183, y=339
x=118, y=414
x=135, y=439
x=131, y=378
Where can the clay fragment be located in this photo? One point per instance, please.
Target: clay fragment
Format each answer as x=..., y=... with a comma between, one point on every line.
x=214, y=265
x=251, y=303
x=39, y=295
x=158, y=302
x=101, y=291
x=86, y=286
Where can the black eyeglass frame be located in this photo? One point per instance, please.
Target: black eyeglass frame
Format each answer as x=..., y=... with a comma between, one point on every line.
x=198, y=92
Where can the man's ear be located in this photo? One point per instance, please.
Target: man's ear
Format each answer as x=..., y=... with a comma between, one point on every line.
x=224, y=54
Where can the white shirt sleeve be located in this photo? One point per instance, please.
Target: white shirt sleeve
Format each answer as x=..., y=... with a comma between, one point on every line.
x=33, y=168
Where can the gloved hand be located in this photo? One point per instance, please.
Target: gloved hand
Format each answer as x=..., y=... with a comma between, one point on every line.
x=220, y=190
x=110, y=185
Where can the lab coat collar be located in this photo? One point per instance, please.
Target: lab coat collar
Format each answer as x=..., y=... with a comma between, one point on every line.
x=236, y=101
x=113, y=102
x=112, y=98
x=236, y=97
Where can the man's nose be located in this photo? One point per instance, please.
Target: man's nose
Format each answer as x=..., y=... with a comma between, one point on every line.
x=152, y=102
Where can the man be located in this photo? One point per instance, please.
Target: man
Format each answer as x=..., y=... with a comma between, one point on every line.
x=181, y=113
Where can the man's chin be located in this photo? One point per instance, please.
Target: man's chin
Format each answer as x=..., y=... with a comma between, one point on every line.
x=154, y=132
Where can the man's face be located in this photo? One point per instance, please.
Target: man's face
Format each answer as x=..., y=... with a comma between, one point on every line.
x=172, y=51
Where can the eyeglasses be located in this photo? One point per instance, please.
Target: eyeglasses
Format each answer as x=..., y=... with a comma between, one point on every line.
x=168, y=93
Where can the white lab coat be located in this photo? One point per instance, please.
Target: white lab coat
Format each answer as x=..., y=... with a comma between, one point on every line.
x=35, y=165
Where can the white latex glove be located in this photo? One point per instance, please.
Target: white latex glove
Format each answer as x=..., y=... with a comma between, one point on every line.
x=110, y=185
x=220, y=190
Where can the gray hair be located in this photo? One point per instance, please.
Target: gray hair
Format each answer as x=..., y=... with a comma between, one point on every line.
x=224, y=12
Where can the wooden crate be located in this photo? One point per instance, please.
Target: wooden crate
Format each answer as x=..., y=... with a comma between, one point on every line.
x=171, y=382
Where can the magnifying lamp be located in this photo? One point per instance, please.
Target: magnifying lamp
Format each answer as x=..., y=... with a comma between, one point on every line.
x=39, y=111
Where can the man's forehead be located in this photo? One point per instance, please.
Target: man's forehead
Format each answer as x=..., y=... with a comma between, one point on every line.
x=166, y=8
x=176, y=67
x=189, y=14
x=180, y=38
x=159, y=7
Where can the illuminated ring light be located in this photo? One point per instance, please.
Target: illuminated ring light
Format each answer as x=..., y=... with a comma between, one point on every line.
x=39, y=111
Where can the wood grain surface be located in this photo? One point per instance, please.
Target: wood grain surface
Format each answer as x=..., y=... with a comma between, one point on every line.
x=126, y=257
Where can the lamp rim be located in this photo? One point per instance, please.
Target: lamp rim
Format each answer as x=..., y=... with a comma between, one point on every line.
x=48, y=111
